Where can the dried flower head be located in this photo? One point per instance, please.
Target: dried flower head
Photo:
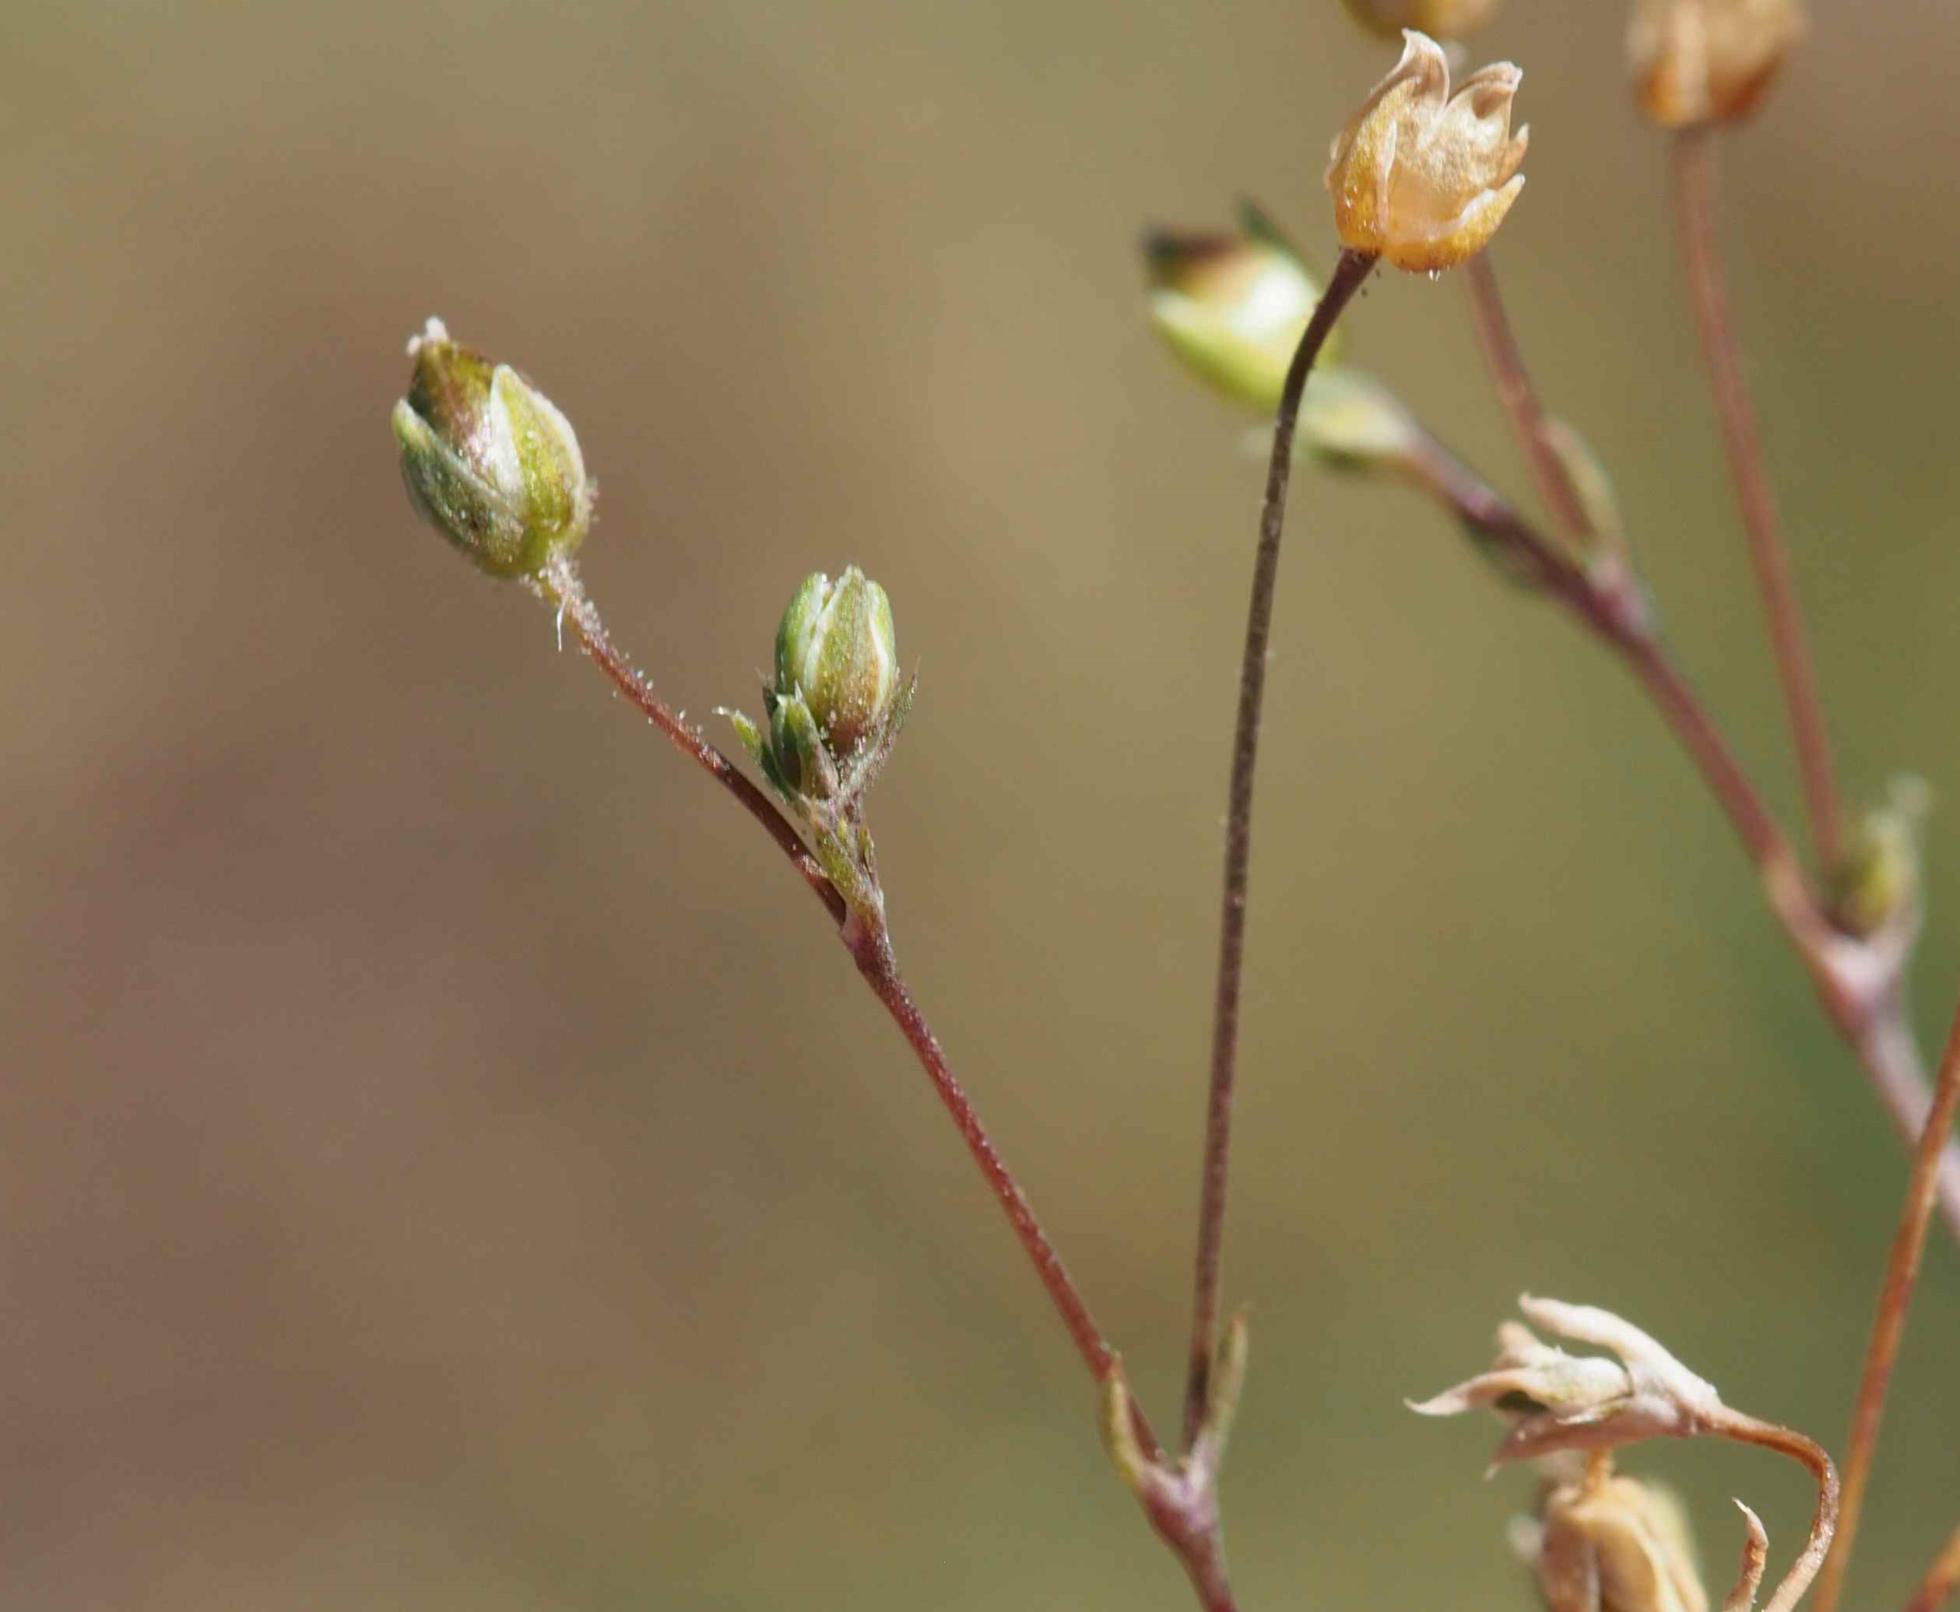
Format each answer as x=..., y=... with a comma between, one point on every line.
x=1440, y=19
x=1611, y=1543
x=1702, y=61
x=1421, y=177
x=1581, y=1402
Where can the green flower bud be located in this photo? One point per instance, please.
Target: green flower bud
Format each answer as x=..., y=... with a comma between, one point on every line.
x=1232, y=307
x=836, y=649
x=488, y=460
x=1876, y=883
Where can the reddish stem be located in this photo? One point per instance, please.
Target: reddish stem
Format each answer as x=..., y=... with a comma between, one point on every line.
x=1694, y=178
x=870, y=948
x=1868, y=1013
x=1940, y=1578
x=561, y=586
x=1895, y=1300
x=1520, y=399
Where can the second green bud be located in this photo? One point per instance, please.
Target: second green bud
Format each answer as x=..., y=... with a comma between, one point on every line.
x=836, y=681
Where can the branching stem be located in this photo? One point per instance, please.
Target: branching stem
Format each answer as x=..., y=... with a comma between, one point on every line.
x=1858, y=984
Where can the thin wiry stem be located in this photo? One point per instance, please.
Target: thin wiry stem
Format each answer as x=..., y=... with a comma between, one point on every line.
x=1520, y=399
x=1349, y=273
x=1694, y=177
x=561, y=586
x=1858, y=988
x=1940, y=1579
x=870, y=947
x=1895, y=1300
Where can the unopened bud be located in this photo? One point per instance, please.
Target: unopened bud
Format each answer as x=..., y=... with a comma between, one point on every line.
x=1705, y=61
x=836, y=648
x=1877, y=880
x=1440, y=19
x=488, y=460
x=1421, y=177
x=1231, y=306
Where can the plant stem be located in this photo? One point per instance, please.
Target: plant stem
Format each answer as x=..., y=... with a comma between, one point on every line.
x=1940, y=1578
x=1824, y=1520
x=1895, y=1299
x=1857, y=985
x=1349, y=274
x=1520, y=399
x=870, y=948
x=562, y=587
x=1694, y=177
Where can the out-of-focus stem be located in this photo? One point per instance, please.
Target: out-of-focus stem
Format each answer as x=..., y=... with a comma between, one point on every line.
x=1940, y=1579
x=1858, y=987
x=1520, y=399
x=1349, y=273
x=1895, y=1300
x=1694, y=177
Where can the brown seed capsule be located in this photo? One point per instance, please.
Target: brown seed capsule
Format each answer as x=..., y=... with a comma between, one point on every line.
x=1421, y=177
x=1706, y=61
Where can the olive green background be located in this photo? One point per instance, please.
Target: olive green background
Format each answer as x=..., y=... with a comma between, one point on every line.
x=447, y=1162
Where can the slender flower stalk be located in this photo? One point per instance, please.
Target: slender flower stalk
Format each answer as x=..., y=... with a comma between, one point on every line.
x=1694, y=178
x=1349, y=274
x=562, y=587
x=1520, y=400
x=870, y=947
x=1857, y=984
x=1895, y=1300
x=1940, y=1580
x=1866, y=1005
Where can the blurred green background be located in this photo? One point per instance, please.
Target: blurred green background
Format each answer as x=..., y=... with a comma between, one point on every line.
x=448, y=1163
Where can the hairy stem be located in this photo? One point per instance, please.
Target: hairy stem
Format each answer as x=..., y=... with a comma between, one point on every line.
x=1349, y=274
x=870, y=947
x=562, y=587
x=1520, y=399
x=1694, y=178
x=1895, y=1300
